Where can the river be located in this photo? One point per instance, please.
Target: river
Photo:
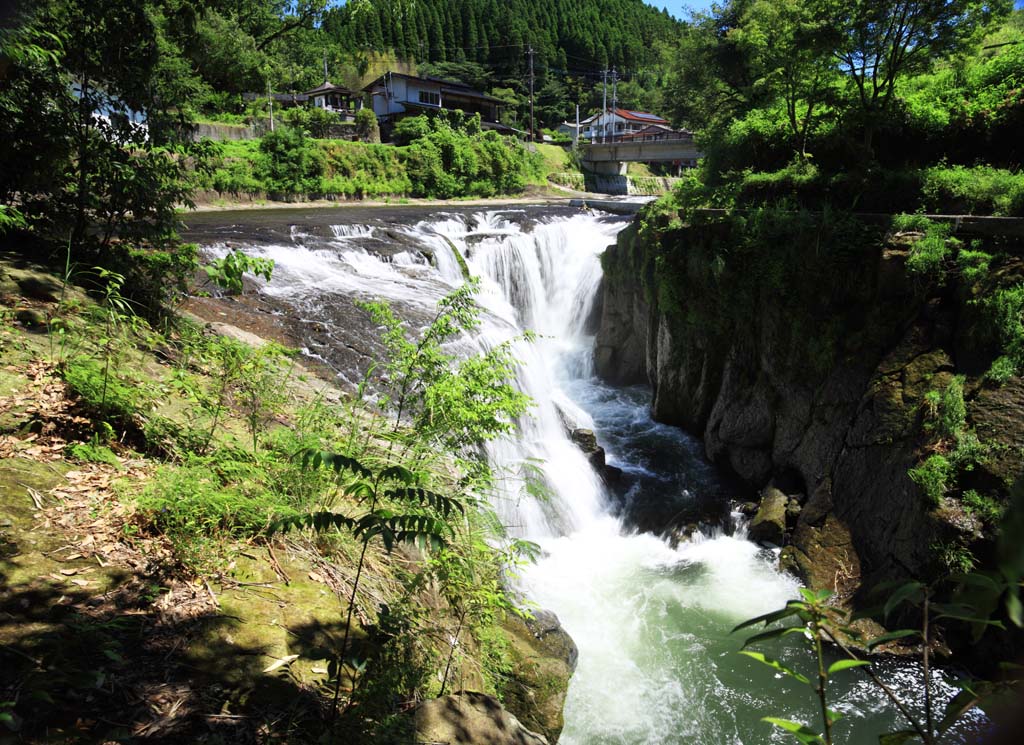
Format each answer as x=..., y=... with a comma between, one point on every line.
x=657, y=661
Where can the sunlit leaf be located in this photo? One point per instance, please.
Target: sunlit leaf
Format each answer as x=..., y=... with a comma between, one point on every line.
x=775, y=665
x=891, y=636
x=801, y=732
x=841, y=665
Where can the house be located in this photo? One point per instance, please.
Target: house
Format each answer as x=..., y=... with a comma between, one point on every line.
x=617, y=123
x=576, y=131
x=281, y=100
x=336, y=98
x=395, y=95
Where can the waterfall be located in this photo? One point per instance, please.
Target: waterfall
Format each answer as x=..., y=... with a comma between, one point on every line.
x=657, y=661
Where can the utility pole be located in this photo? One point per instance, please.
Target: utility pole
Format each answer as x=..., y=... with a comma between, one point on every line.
x=604, y=106
x=270, y=103
x=325, y=67
x=576, y=133
x=615, y=95
x=531, y=92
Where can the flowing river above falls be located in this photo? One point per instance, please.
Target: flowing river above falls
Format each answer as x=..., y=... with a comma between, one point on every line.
x=657, y=661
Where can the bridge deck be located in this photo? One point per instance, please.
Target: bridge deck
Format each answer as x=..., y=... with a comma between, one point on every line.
x=649, y=148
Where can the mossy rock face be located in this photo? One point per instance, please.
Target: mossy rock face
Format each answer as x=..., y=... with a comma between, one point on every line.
x=470, y=718
x=544, y=658
x=769, y=525
x=997, y=413
x=263, y=622
x=18, y=541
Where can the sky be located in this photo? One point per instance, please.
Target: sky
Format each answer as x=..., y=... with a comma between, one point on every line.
x=681, y=8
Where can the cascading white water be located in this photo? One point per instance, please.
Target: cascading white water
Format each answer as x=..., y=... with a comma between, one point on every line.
x=657, y=663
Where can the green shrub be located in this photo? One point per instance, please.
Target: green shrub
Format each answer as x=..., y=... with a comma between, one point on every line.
x=202, y=505
x=311, y=120
x=985, y=508
x=928, y=254
x=354, y=169
x=91, y=452
x=969, y=451
x=973, y=190
x=1003, y=312
x=1002, y=369
x=458, y=160
x=410, y=129
x=973, y=264
x=289, y=163
x=952, y=414
x=366, y=126
x=954, y=556
x=107, y=395
x=933, y=477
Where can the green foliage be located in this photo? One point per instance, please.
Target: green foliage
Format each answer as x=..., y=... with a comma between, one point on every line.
x=366, y=126
x=106, y=395
x=974, y=265
x=92, y=452
x=975, y=600
x=289, y=163
x=933, y=476
x=11, y=220
x=816, y=621
x=986, y=508
x=206, y=503
x=1002, y=369
x=952, y=409
x=929, y=253
x=973, y=190
x=455, y=159
x=455, y=402
x=363, y=170
x=312, y=121
x=1004, y=312
x=954, y=556
x=227, y=272
x=762, y=82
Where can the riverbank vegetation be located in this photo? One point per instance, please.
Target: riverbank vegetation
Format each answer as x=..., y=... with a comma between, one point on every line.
x=441, y=157
x=332, y=561
x=785, y=114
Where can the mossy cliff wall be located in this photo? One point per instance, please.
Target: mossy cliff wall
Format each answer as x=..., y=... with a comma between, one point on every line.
x=802, y=349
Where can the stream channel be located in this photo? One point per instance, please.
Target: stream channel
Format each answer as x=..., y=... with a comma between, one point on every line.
x=657, y=661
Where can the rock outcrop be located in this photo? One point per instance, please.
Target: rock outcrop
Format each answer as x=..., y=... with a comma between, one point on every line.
x=543, y=659
x=470, y=718
x=804, y=359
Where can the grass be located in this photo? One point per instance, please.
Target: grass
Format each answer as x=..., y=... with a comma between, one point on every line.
x=974, y=190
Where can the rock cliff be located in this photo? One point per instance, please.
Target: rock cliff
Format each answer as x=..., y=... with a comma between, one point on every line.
x=809, y=358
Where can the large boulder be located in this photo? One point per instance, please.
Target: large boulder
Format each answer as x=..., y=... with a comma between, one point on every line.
x=769, y=524
x=470, y=718
x=543, y=659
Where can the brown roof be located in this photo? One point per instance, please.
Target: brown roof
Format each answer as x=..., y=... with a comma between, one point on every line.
x=639, y=116
x=329, y=87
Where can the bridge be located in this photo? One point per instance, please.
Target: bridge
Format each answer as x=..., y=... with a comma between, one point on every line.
x=610, y=158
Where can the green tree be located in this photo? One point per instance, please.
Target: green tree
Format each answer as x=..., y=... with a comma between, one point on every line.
x=878, y=42
x=787, y=45
x=289, y=163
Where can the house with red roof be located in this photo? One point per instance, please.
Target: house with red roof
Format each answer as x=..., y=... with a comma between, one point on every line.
x=616, y=124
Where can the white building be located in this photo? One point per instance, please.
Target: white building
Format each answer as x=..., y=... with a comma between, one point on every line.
x=395, y=95
x=616, y=124
x=335, y=98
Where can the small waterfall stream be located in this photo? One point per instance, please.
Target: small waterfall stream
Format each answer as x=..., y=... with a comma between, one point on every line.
x=657, y=661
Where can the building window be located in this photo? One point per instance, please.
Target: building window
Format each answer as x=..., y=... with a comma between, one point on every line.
x=430, y=97
x=619, y=126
